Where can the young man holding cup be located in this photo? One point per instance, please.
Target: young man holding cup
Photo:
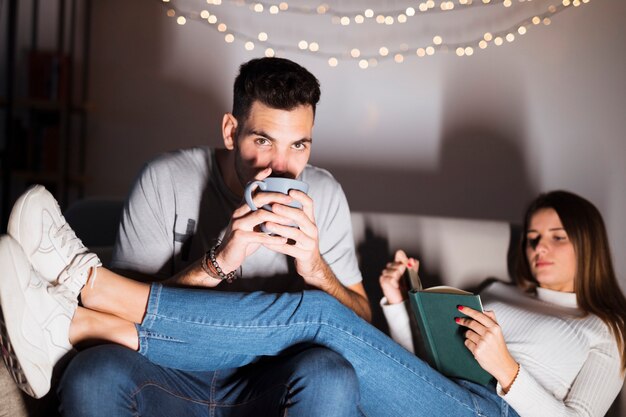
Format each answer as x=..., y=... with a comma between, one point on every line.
x=188, y=205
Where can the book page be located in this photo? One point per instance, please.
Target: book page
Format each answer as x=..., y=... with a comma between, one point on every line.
x=445, y=289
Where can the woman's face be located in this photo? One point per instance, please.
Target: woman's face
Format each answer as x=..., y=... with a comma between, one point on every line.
x=550, y=252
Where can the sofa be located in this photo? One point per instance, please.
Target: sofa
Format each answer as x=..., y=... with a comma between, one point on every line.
x=457, y=252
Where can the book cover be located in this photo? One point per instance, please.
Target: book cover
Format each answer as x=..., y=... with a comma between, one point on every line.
x=435, y=310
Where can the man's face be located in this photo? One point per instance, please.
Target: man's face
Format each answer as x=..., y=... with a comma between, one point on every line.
x=278, y=139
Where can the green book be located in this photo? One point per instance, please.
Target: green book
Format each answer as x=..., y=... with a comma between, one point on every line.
x=435, y=310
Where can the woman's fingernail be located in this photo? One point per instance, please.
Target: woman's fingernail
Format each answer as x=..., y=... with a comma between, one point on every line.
x=460, y=308
x=458, y=320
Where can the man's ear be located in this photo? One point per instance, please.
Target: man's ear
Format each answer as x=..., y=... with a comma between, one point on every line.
x=229, y=131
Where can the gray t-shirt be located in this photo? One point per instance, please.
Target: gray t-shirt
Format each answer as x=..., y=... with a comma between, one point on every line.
x=180, y=204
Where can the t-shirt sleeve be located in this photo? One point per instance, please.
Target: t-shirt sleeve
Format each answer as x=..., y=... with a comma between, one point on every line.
x=145, y=237
x=335, y=235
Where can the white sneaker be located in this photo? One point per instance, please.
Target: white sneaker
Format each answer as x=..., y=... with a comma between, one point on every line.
x=34, y=322
x=49, y=242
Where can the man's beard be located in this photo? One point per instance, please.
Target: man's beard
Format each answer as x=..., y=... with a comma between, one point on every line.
x=244, y=172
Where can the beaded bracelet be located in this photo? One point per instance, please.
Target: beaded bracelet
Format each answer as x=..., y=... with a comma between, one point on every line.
x=211, y=267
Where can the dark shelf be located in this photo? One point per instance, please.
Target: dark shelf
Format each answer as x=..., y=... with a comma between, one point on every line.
x=45, y=100
x=47, y=105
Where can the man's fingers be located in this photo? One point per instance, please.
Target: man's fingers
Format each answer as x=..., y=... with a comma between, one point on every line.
x=269, y=198
x=298, y=217
x=256, y=218
x=286, y=249
x=261, y=175
x=251, y=237
x=306, y=201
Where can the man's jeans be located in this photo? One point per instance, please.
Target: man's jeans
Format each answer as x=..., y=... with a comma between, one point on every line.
x=114, y=381
x=207, y=330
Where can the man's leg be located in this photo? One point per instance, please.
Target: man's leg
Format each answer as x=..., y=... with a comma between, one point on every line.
x=306, y=381
x=111, y=380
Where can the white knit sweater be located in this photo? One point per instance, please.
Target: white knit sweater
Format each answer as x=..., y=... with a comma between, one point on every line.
x=569, y=364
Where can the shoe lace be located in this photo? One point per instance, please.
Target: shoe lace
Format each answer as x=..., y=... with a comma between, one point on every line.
x=75, y=276
x=69, y=240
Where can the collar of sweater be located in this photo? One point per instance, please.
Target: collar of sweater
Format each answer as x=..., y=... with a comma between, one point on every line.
x=564, y=299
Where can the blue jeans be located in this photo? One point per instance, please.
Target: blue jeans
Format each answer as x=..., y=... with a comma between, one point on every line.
x=111, y=380
x=180, y=331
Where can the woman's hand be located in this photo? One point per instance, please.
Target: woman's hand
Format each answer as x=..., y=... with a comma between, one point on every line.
x=485, y=340
x=393, y=286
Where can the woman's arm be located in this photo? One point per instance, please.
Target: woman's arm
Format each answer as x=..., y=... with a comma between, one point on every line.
x=593, y=391
x=590, y=394
x=394, y=303
x=397, y=316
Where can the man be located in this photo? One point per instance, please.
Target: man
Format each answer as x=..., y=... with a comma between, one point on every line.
x=188, y=204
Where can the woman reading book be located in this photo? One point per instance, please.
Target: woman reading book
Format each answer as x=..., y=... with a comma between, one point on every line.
x=556, y=350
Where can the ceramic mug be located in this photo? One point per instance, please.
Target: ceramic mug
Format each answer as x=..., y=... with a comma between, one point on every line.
x=274, y=185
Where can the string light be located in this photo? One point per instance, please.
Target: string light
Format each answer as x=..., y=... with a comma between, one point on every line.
x=367, y=59
x=428, y=6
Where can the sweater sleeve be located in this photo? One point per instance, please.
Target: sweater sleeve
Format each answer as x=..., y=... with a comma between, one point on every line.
x=591, y=394
x=397, y=317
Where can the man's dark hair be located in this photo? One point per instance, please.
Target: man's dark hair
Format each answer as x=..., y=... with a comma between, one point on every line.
x=275, y=82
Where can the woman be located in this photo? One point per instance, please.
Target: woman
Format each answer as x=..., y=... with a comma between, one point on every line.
x=565, y=250
x=570, y=290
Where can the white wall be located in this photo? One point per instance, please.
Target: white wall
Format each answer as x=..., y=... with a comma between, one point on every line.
x=476, y=136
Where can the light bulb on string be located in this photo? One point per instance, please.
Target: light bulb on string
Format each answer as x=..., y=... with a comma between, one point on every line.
x=383, y=17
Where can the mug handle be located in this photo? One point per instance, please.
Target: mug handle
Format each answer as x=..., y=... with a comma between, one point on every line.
x=248, y=193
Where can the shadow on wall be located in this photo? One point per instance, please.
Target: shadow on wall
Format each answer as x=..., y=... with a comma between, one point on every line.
x=481, y=176
x=374, y=252
x=481, y=171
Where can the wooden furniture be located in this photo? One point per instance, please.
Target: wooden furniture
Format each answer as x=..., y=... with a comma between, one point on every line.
x=44, y=102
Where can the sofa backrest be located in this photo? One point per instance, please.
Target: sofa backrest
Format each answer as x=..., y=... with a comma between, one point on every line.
x=462, y=253
x=456, y=252
x=96, y=221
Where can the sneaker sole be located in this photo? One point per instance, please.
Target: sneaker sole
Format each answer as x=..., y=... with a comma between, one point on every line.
x=10, y=360
x=25, y=361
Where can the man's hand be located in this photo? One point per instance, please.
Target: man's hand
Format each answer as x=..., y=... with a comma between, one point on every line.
x=242, y=237
x=303, y=244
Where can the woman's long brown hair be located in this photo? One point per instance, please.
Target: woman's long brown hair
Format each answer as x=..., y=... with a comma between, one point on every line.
x=595, y=284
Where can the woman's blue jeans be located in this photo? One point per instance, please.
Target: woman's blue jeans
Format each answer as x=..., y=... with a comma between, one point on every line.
x=197, y=330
